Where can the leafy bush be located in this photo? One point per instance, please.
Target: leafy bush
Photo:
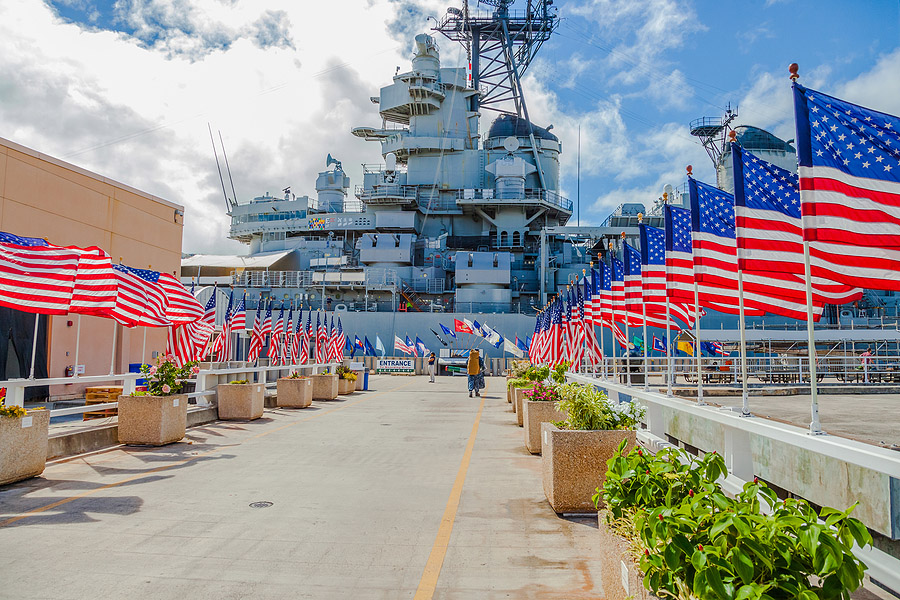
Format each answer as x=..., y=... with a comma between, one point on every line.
x=517, y=369
x=542, y=393
x=520, y=383
x=537, y=373
x=12, y=411
x=166, y=378
x=559, y=372
x=698, y=543
x=295, y=375
x=588, y=408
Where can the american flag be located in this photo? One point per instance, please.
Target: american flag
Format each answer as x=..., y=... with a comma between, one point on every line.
x=275, y=354
x=222, y=345
x=267, y=321
x=401, y=345
x=590, y=336
x=140, y=299
x=36, y=276
x=298, y=337
x=849, y=159
x=303, y=356
x=331, y=342
x=557, y=336
x=239, y=318
x=342, y=340
x=321, y=340
x=289, y=337
x=653, y=279
x=187, y=341
x=209, y=318
x=257, y=339
x=715, y=259
x=182, y=307
x=769, y=229
x=95, y=283
x=620, y=311
x=533, y=354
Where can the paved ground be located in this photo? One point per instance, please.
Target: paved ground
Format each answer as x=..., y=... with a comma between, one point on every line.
x=364, y=494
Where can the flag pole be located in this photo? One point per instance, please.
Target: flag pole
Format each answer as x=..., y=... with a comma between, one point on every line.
x=815, y=428
x=697, y=351
x=668, y=345
x=745, y=396
x=143, y=346
x=77, y=346
x=37, y=321
x=612, y=329
x=112, y=360
x=646, y=349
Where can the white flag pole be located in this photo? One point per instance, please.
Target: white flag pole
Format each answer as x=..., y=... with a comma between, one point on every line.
x=646, y=349
x=77, y=346
x=745, y=396
x=697, y=351
x=669, y=351
x=815, y=428
x=112, y=359
x=37, y=321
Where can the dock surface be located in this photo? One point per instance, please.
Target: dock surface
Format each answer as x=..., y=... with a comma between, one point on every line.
x=409, y=490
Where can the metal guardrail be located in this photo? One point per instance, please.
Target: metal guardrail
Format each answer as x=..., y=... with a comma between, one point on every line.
x=738, y=452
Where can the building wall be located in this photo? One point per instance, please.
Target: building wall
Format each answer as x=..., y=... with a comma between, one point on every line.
x=41, y=196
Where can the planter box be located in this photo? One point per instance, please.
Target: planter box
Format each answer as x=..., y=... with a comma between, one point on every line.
x=240, y=401
x=345, y=386
x=622, y=578
x=573, y=464
x=359, y=380
x=509, y=391
x=534, y=414
x=23, y=446
x=294, y=393
x=519, y=400
x=152, y=420
x=325, y=386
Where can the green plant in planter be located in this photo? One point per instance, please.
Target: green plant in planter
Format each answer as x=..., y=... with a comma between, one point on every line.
x=517, y=369
x=166, y=378
x=345, y=373
x=559, y=372
x=239, y=382
x=587, y=408
x=520, y=383
x=295, y=375
x=542, y=393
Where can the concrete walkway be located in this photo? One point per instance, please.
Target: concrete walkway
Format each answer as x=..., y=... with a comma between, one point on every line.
x=411, y=487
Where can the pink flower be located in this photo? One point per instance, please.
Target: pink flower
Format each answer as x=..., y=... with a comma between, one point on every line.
x=195, y=369
x=166, y=389
x=170, y=358
x=152, y=371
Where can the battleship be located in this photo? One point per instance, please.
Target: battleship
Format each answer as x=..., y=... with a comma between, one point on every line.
x=456, y=219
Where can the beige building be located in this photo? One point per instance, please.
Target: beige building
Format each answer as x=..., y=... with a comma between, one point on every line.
x=41, y=196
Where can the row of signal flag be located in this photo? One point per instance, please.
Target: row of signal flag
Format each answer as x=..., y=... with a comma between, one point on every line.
x=492, y=336
x=842, y=211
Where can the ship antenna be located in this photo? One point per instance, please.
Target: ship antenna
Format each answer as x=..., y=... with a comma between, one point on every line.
x=219, y=169
x=233, y=193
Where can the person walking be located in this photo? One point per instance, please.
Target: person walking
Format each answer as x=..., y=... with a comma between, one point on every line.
x=432, y=365
x=866, y=357
x=473, y=369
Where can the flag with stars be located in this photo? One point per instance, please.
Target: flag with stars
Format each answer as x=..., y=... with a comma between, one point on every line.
x=653, y=281
x=35, y=276
x=768, y=226
x=849, y=159
x=715, y=260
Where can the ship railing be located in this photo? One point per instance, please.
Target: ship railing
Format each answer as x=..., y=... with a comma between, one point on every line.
x=777, y=453
x=425, y=285
x=531, y=194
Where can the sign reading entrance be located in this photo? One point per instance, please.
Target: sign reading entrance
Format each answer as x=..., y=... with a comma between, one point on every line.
x=395, y=365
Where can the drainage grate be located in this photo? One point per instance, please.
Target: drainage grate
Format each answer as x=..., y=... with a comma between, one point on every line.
x=264, y=504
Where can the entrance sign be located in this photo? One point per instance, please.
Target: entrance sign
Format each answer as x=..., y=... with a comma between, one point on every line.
x=395, y=365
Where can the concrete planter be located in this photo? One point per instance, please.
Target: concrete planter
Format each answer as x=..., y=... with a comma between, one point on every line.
x=622, y=578
x=294, y=393
x=518, y=402
x=325, y=386
x=509, y=391
x=240, y=401
x=359, y=380
x=152, y=420
x=345, y=386
x=534, y=414
x=573, y=464
x=23, y=446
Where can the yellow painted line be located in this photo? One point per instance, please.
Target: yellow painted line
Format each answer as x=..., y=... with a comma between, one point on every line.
x=428, y=582
x=87, y=493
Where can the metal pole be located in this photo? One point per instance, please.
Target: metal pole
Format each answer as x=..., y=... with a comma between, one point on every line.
x=144, y=346
x=697, y=341
x=37, y=322
x=646, y=349
x=77, y=346
x=669, y=359
x=603, y=346
x=112, y=359
x=745, y=396
x=815, y=428
x=627, y=350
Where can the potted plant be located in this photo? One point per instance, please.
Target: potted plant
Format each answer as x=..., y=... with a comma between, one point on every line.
x=23, y=442
x=346, y=380
x=240, y=400
x=574, y=451
x=294, y=391
x=159, y=415
x=324, y=386
x=683, y=537
x=539, y=407
x=517, y=386
x=516, y=371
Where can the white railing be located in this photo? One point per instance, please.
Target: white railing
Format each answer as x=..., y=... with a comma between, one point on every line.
x=205, y=383
x=738, y=449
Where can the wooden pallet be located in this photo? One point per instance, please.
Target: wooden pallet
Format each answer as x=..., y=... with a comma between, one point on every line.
x=101, y=395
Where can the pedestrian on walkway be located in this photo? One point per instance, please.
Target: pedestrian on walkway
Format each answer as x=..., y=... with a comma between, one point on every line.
x=866, y=357
x=473, y=369
x=432, y=365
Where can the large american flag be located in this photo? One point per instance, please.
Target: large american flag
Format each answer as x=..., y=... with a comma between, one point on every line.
x=275, y=354
x=140, y=299
x=653, y=280
x=257, y=339
x=36, y=276
x=321, y=339
x=222, y=345
x=209, y=318
x=341, y=341
x=769, y=229
x=298, y=337
x=239, y=317
x=849, y=160
x=289, y=357
x=182, y=307
x=590, y=336
x=95, y=283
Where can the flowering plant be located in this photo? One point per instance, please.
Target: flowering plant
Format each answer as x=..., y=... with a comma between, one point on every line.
x=345, y=373
x=166, y=378
x=542, y=393
x=12, y=411
x=295, y=375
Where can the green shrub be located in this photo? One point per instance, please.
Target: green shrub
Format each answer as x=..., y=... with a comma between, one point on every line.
x=542, y=392
x=559, y=372
x=588, y=408
x=520, y=383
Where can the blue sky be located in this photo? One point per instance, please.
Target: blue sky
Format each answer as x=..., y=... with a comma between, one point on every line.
x=126, y=88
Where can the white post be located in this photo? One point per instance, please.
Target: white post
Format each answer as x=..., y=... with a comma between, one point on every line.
x=627, y=351
x=745, y=396
x=615, y=363
x=646, y=349
x=669, y=360
x=815, y=428
x=77, y=346
x=697, y=342
x=112, y=358
x=37, y=322
x=603, y=348
x=144, y=346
